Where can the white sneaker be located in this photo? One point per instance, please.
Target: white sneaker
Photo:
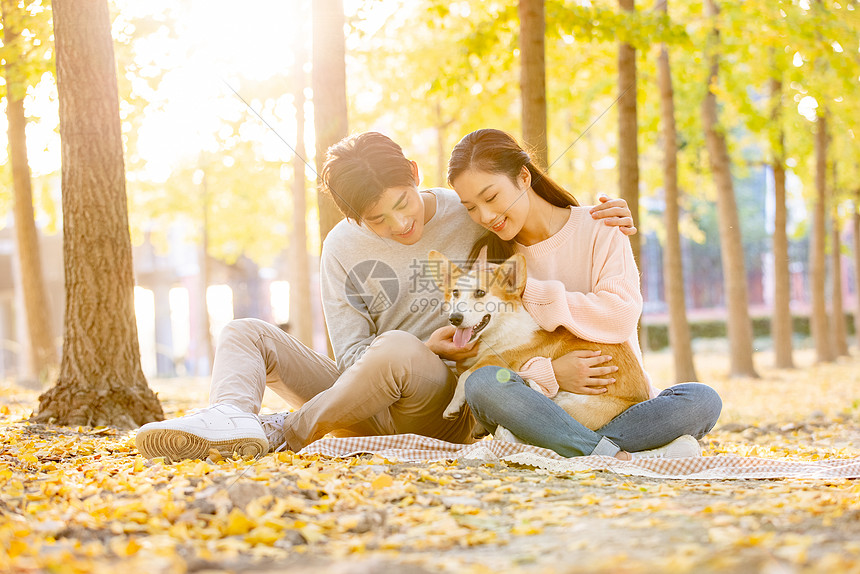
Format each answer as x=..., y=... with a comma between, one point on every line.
x=222, y=427
x=273, y=426
x=504, y=435
x=682, y=447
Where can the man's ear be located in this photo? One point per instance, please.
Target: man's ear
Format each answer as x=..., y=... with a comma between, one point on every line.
x=415, y=175
x=441, y=270
x=512, y=273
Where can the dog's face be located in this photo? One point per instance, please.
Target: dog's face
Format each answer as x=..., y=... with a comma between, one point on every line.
x=476, y=299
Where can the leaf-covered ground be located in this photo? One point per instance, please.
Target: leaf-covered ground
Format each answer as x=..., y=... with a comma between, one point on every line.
x=84, y=500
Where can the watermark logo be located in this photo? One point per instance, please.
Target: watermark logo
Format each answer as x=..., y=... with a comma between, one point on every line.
x=375, y=281
x=373, y=285
x=423, y=273
x=491, y=307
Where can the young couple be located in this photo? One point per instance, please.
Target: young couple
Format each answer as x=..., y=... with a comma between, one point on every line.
x=393, y=343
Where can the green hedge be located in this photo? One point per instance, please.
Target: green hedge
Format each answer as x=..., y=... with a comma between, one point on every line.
x=658, y=333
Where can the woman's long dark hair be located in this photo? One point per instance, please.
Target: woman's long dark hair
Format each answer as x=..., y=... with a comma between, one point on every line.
x=495, y=151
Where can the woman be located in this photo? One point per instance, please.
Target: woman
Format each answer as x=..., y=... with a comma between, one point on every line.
x=582, y=277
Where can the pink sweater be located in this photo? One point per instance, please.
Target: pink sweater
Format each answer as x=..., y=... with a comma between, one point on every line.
x=583, y=278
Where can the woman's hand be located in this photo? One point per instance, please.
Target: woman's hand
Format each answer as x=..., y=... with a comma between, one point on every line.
x=579, y=372
x=614, y=212
x=441, y=342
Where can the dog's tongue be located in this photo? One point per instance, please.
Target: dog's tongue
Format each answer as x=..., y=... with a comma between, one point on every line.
x=462, y=336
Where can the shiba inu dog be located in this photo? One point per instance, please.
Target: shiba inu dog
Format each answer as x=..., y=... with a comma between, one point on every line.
x=485, y=303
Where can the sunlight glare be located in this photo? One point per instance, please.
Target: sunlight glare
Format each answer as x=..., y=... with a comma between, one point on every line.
x=212, y=48
x=807, y=107
x=280, y=299
x=180, y=320
x=219, y=303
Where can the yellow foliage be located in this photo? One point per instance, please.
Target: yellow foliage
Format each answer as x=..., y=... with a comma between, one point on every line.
x=263, y=535
x=382, y=481
x=238, y=523
x=85, y=502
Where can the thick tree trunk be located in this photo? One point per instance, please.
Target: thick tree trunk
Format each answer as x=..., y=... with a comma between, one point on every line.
x=781, y=324
x=101, y=382
x=739, y=326
x=628, y=131
x=329, y=89
x=301, y=317
x=839, y=334
x=817, y=258
x=533, y=79
x=43, y=353
x=673, y=269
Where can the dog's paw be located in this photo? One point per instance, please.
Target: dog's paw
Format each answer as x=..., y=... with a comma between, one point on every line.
x=451, y=413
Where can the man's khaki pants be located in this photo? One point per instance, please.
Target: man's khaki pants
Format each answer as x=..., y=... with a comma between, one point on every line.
x=397, y=386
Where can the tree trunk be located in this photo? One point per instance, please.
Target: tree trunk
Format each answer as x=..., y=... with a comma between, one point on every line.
x=739, y=326
x=43, y=353
x=673, y=268
x=301, y=318
x=857, y=267
x=818, y=322
x=204, y=352
x=442, y=150
x=840, y=336
x=628, y=132
x=781, y=325
x=329, y=88
x=24, y=371
x=101, y=382
x=533, y=79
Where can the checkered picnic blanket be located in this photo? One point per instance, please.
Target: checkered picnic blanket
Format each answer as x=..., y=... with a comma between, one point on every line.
x=416, y=448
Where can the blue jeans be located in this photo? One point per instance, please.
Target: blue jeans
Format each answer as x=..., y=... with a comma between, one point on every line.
x=687, y=408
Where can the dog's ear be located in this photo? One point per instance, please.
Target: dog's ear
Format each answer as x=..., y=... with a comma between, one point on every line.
x=480, y=260
x=512, y=273
x=441, y=270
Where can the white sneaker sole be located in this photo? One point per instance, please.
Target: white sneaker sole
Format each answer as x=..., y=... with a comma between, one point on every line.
x=175, y=445
x=684, y=446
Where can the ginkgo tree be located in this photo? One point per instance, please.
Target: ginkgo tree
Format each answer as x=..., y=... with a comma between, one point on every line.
x=26, y=54
x=428, y=86
x=100, y=380
x=673, y=269
x=824, y=79
x=247, y=191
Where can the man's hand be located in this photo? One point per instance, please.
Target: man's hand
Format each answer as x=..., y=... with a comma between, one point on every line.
x=579, y=372
x=614, y=212
x=441, y=342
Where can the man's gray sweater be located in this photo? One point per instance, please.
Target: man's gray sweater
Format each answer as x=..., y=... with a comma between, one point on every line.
x=372, y=285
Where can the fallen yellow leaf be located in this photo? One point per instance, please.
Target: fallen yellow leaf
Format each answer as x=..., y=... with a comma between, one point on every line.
x=382, y=481
x=238, y=523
